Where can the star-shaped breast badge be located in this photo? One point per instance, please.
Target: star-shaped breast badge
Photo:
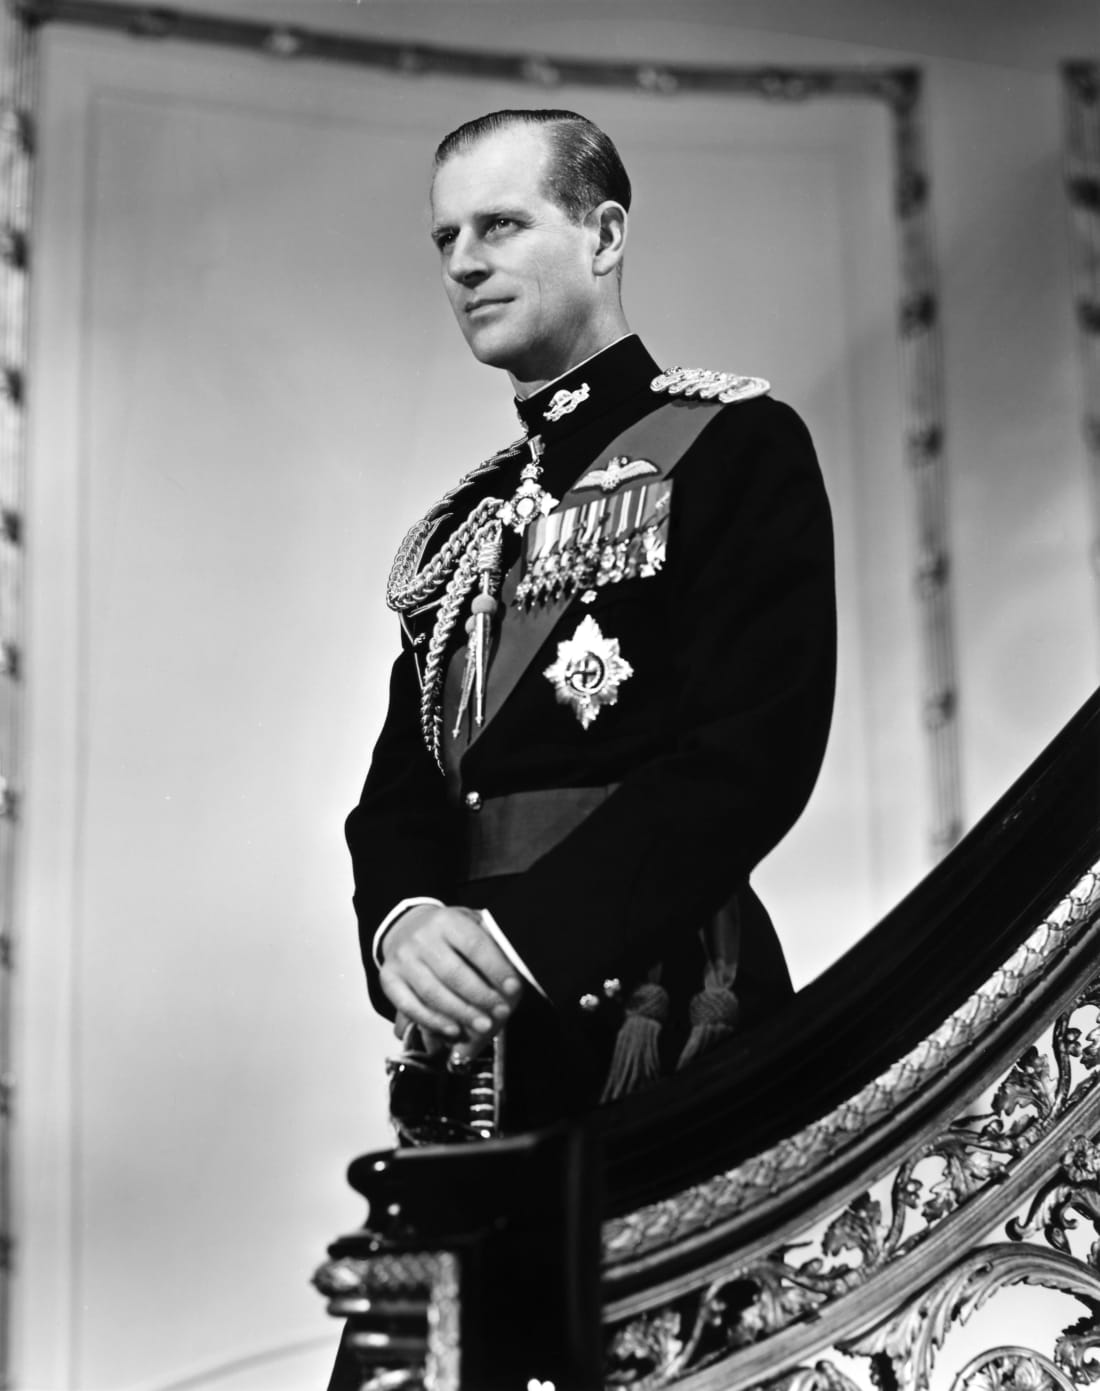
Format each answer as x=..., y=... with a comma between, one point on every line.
x=588, y=671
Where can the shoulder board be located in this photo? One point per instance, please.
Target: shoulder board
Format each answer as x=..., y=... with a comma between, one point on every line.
x=710, y=386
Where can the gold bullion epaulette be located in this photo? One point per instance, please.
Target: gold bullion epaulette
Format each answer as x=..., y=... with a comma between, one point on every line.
x=725, y=387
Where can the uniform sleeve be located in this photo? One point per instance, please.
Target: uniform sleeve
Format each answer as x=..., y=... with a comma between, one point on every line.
x=753, y=657
x=401, y=835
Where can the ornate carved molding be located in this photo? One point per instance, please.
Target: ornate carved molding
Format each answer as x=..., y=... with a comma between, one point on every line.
x=1074, y=1188
x=372, y=1290
x=1016, y=1162
x=1011, y=1369
x=821, y=1376
x=925, y=434
x=901, y=1349
x=751, y=1303
x=908, y=1341
x=18, y=82
x=1081, y=104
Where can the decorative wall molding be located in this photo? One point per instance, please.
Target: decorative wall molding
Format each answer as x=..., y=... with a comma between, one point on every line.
x=1081, y=102
x=18, y=76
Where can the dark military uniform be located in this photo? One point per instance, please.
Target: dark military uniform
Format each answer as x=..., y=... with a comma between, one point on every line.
x=604, y=833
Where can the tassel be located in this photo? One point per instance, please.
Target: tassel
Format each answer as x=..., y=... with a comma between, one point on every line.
x=475, y=673
x=467, y=680
x=484, y=607
x=636, y=1059
x=713, y=1014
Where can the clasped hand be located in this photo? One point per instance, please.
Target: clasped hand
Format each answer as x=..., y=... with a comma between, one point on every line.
x=442, y=971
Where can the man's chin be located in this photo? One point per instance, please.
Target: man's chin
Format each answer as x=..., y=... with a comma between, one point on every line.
x=493, y=352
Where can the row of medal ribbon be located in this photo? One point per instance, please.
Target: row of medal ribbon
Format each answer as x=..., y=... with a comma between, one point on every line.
x=596, y=543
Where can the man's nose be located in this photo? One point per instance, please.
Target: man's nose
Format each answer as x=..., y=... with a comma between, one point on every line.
x=466, y=262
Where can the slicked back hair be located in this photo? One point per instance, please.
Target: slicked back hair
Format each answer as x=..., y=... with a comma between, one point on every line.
x=584, y=168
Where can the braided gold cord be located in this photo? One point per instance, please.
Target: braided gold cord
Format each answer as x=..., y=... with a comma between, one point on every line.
x=454, y=569
x=454, y=596
x=406, y=589
x=404, y=562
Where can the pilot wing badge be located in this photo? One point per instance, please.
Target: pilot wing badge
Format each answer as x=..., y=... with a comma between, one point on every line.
x=619, y=470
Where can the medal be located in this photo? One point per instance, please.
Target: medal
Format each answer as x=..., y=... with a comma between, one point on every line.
x=530, y=500
x=468, y=561
x=603, y=541
x=588, y=671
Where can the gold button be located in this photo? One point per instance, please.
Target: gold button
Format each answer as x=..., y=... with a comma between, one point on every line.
x=612, y=987
x=589, y=1002
x=473, y=801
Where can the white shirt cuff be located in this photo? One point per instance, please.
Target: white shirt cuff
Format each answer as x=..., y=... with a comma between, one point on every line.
x=487, y=921
x=493, y=929
x=389, y=920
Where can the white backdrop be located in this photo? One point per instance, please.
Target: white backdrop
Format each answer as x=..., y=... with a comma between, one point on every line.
x=246, y=385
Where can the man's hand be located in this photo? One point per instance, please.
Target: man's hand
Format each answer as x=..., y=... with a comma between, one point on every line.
x=442, y=971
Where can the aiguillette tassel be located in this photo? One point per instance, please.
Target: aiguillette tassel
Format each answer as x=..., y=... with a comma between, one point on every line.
x=482, y=610
x=479, y=633
x=484, y=606
x=467, y=681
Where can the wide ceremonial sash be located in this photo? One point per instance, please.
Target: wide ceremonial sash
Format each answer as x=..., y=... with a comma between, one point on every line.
x=510, y=833
x=663, y=438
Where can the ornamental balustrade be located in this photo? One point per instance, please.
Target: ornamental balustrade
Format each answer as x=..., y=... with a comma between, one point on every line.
x=825, y=1204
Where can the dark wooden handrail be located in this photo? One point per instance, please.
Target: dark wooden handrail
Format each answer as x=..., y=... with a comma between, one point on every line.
x=589, y=1225
x=889, y=991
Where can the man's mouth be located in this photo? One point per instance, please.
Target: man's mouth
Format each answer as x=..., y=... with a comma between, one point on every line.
x=474, y=305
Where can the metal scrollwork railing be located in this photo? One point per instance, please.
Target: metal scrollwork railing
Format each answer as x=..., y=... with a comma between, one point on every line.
x=758, y=1179
x=940, y=1186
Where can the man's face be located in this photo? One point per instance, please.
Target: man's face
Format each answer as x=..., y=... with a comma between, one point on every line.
x=517, y=271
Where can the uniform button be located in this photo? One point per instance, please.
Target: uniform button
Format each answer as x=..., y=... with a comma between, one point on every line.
x=612, y=987
x=473, y=801
x=589, y=1002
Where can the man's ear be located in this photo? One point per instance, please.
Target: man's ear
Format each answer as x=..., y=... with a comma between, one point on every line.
x=608, y=220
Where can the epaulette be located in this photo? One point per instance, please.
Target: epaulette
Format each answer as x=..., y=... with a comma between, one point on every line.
x=711, y=386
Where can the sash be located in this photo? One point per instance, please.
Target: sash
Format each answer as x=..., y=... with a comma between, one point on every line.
x=663, y=437
x=510, y=833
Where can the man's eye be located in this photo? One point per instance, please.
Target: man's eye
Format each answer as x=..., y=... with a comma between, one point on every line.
x=501, y=224
x=443, y=240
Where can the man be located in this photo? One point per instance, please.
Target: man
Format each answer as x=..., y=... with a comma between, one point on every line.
x=617, y=666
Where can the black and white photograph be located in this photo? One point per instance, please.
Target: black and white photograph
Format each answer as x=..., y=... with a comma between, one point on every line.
x=549, y=741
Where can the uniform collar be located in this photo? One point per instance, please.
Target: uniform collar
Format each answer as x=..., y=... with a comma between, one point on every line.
x=587, y=391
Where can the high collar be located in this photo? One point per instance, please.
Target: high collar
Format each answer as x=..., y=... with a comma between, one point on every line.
x=589, y=390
